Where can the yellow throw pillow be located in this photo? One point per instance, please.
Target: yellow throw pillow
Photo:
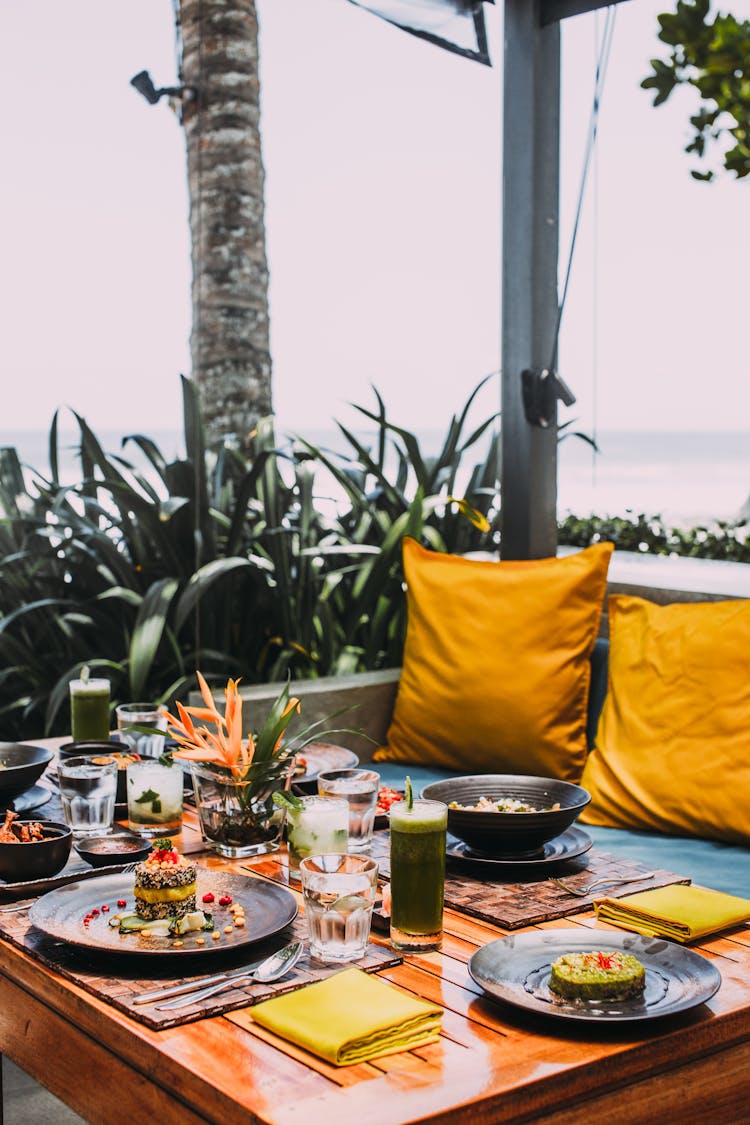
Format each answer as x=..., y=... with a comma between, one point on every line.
x=496, y=668
x=673, y=744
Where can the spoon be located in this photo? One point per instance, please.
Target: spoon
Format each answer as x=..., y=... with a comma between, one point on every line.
x=272, y=968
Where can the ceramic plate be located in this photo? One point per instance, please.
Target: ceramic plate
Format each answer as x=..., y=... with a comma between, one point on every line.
x=268, y=909
x=569, y=845
x=516, y=969
x=28, y=801
x=75, y=871
x=321, y=756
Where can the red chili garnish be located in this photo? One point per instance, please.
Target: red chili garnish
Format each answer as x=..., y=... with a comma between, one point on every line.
x=105, y=909
x=208, y=896
x=605, y=960
x=122, y=902
x=225, y=900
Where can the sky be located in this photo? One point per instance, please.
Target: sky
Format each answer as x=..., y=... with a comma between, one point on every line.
x=383, y=197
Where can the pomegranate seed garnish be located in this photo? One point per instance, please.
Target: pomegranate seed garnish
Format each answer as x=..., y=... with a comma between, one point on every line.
x=105, y=909
x=122, y=902
x=208, y=896
x=225, y=900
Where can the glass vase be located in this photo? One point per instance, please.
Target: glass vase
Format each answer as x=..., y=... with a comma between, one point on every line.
x=237, y=814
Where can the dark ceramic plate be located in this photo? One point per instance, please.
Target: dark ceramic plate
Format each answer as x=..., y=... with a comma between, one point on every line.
x=20, y=766
x=504, y=834
x=27, y=801
x=268, y=909
x=74, y=871
x=516, y=970
x=571, y=844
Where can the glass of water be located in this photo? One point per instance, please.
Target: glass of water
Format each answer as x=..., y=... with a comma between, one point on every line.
x=313, y=826
x=131, y=715
x=360, y=788
x=339, y=893
x=155, y=794
x=88, y=790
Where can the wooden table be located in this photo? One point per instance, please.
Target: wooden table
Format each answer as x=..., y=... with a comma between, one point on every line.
x=492, y=1064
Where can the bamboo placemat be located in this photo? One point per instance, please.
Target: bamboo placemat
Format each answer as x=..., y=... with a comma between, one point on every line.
x=118, y=979
x=530, y=898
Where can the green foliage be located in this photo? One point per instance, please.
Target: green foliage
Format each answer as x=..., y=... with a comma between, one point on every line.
x=229, y=563
x=642, y=533
x=712, y=57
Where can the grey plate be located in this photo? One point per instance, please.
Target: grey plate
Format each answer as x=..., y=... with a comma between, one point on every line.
x=27, y=801
x=569, y=845
x=268, y=908
x=323, y=756
x=69, y=874
x=516, y=969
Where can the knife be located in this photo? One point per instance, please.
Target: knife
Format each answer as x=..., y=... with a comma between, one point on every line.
x=193, y=986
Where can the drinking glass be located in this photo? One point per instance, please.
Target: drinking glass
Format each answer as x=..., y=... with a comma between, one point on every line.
x=317, y=825
x=89, y=710
x=88, y=792
x=339, y=893
x=360, y=788
x=418, y=837
x=141, y=715
x=154, y=797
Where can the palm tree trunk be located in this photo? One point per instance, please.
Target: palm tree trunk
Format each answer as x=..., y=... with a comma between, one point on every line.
x=230, y=338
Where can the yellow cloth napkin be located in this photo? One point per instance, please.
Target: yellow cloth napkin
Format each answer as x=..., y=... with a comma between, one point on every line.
x=350, y=1017
x=681, y=913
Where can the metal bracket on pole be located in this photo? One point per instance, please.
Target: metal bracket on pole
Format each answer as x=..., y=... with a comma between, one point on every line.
x=540, y=391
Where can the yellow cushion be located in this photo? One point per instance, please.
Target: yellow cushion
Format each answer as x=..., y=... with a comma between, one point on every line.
x=673, y=744
x=496, y=669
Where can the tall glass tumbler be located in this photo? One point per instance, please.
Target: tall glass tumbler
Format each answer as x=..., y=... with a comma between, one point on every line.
x=89, y=710
x=130, y=715
x=360, y=788
x=418, y=838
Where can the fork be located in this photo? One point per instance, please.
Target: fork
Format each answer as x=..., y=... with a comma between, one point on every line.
x=582, y=892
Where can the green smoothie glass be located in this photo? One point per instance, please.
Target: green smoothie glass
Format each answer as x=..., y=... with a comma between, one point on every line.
x=417, y=874
x=89, y=710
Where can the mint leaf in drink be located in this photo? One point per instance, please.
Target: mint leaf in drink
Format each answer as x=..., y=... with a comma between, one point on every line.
x=283, y=799
x=147, y=797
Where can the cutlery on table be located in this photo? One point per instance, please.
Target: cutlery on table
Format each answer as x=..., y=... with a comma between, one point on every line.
x=272, y=968
x=582, y=892
x=171, y=990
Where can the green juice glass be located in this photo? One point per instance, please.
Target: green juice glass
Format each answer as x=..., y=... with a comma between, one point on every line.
x=89, y=710
x=417, y=874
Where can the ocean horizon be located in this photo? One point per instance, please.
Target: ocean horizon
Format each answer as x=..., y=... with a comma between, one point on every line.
x=686, y=478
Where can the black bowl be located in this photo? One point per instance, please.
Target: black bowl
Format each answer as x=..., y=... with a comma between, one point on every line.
x=112, y=749
x=509, y=833
x=115, y=847
x=20, y=766
x=38, y=859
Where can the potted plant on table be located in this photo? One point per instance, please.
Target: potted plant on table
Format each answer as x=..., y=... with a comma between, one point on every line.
x=235, y=775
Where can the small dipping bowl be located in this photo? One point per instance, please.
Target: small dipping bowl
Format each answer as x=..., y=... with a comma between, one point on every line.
x=116, y=847
x=38, y=859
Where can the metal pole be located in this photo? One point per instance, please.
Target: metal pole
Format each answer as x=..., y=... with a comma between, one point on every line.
x=531, y=172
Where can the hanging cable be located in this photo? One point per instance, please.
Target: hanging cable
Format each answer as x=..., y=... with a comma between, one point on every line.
x=601, y=71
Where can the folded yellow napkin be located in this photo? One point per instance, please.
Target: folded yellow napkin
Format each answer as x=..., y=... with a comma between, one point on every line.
x=681, y=913
x=350, y=1017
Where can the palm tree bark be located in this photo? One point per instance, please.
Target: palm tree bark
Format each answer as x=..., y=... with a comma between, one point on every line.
x=230, y=335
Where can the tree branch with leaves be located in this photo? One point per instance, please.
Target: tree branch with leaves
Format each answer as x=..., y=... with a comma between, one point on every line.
x=713, y=57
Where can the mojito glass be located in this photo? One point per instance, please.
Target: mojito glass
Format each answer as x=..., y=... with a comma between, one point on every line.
x=154, y=797
x=315, y=826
